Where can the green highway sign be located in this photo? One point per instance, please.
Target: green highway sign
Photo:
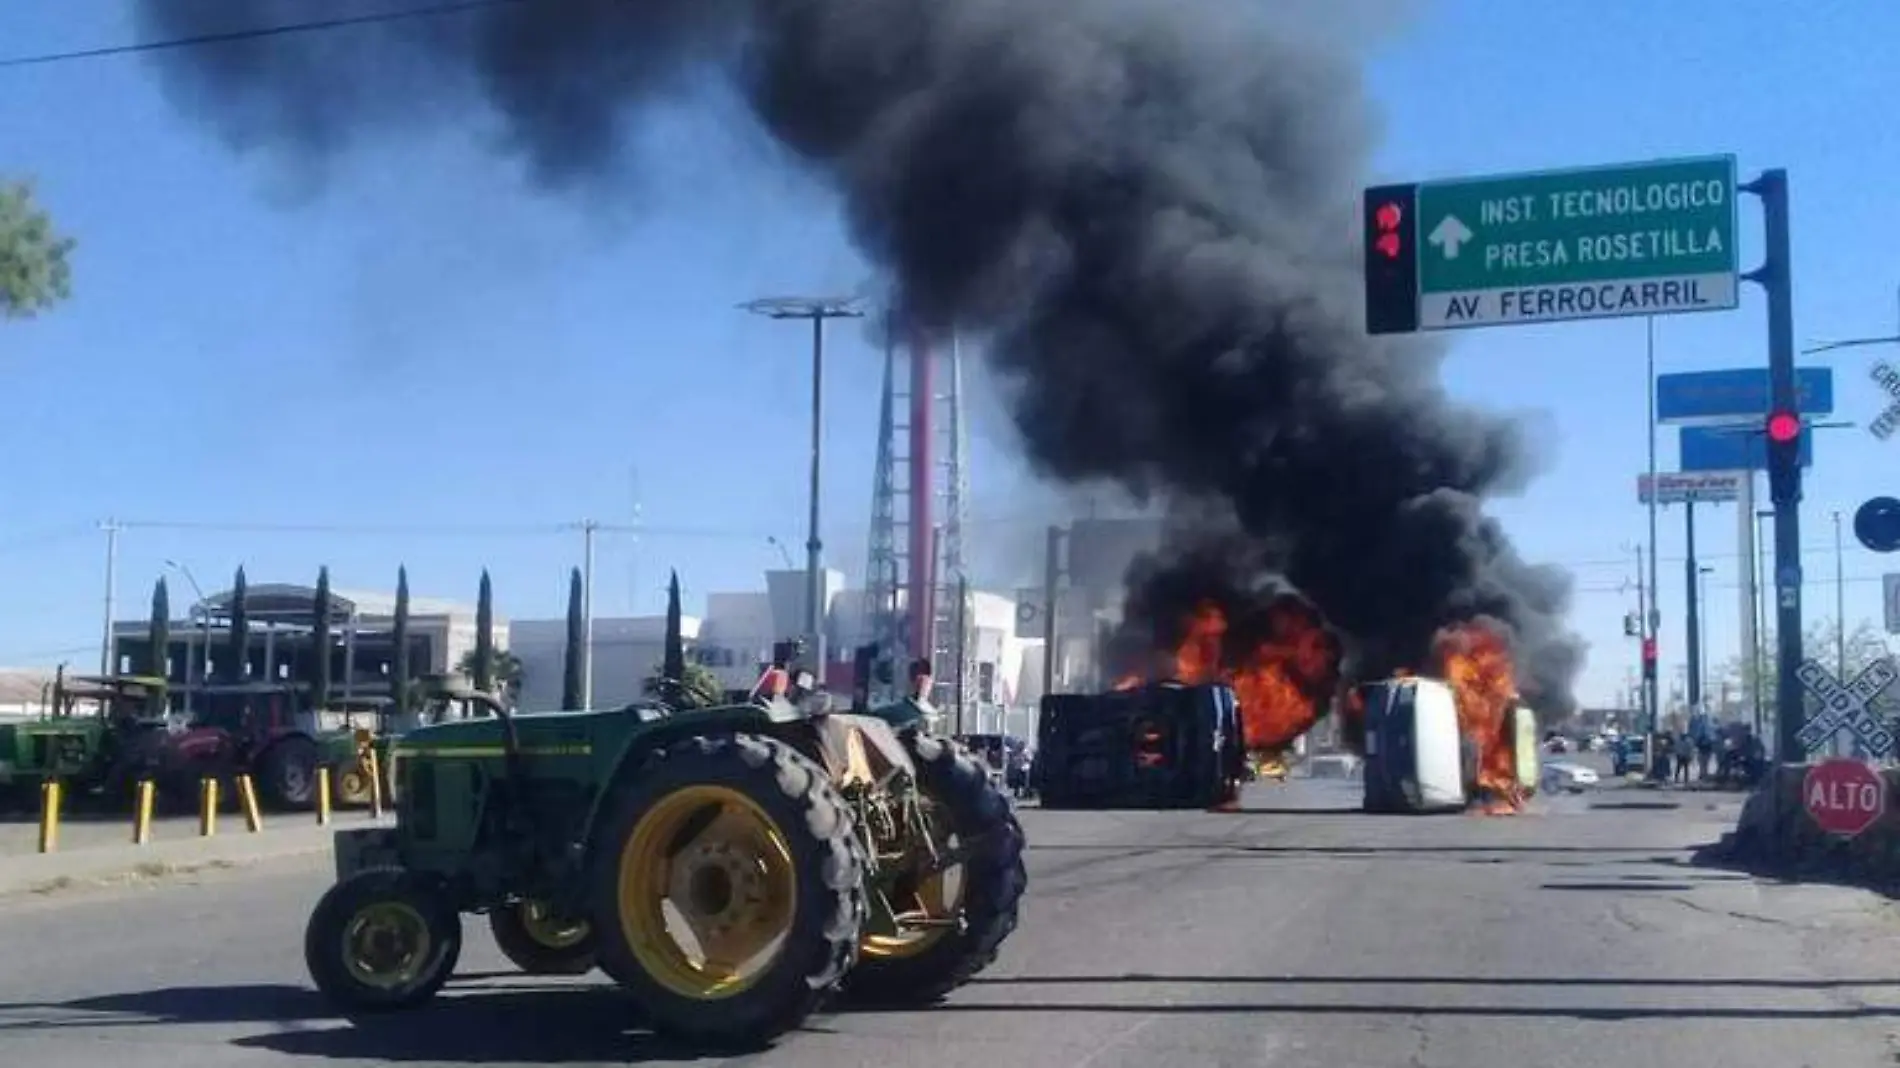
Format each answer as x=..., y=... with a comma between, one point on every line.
x=1631, y=239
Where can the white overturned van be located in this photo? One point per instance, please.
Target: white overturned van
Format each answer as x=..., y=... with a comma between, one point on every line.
x=1416, y=758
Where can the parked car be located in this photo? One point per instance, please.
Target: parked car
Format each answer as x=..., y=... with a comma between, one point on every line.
x=1566, y=776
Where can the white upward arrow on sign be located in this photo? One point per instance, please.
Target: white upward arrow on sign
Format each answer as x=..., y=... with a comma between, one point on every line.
x=1450, y=234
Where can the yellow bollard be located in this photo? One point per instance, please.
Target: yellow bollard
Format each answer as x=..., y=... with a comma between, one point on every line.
x=375, y=785
x=247, y=793
x=49, y=816
x=142, y=813
x=207, y=807
x=323, y=796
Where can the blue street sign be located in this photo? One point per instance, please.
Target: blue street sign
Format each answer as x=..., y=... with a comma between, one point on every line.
x=1739, y=447
x=1739, y=394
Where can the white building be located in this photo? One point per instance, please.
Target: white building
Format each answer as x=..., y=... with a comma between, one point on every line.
x=626, y=652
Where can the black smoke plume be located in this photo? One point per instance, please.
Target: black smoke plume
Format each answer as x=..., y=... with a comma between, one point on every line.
x=1144, y=207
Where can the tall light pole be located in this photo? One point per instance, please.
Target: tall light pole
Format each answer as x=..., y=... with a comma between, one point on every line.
x=204, y=618
x=1702, y=630
x=1760, y=564
x=817, y=311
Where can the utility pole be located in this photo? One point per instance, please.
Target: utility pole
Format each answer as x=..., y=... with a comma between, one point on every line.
x=109, y=644
x=1645, y=643
x=1652, y=617
x=963, y=645
x=1840, y=606
x=1775, y=276
x=1842, y=739
x=1051, y=575
x=817, y=311
x=1692, y=624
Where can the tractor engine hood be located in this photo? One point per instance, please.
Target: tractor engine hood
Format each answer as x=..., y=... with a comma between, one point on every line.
x=540, y=734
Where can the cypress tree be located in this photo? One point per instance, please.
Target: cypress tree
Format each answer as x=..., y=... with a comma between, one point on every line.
x=320, y=642
x=673, y=667
x=572, y=682
x=159, y=634
x=399, y=634
x=485, y=636
x=240, y=627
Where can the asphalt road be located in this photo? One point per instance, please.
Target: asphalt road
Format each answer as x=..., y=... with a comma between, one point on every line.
x=1299, y=933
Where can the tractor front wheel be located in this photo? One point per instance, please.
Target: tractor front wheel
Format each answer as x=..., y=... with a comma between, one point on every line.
x=382, y=939
x=541, y=943
x=728, y=892
x=955, y=929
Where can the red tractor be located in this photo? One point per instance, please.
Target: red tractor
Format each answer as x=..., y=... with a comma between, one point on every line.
x=255, y=729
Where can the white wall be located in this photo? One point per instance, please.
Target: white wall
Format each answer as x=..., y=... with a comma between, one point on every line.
x=625, y=652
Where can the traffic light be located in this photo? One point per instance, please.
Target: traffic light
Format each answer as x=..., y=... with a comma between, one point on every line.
x=1649, y=658
x=1784, y=432
x=1391, y=259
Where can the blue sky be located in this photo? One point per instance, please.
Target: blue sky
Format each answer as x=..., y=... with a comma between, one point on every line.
x=483, y=366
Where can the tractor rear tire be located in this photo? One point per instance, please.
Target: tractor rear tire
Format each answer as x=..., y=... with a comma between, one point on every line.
x=994, y=878
x=338, y=935
x=287, y=774
x=537, y=946
x=813, y=878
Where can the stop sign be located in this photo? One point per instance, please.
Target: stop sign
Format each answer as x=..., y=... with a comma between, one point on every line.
x=1845, y=797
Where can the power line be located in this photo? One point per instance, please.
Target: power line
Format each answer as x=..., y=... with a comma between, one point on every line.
x=258, y=33
x=435, y=529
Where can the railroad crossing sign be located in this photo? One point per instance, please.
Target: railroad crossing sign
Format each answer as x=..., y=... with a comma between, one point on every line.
x=1886, y=422
x=1846, y=706
x=1844, y=797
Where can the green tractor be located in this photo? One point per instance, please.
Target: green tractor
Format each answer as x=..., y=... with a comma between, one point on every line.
x=101, y=734
x=731, y=868
x=371, y=725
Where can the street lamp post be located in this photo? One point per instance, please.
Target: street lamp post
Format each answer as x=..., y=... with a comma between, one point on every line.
x=204, y=622
x=816, y=310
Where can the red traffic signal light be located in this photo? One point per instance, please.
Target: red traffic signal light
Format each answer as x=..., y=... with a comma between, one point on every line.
x=1387, y=218
x=1649, y=650
x=1783, y=427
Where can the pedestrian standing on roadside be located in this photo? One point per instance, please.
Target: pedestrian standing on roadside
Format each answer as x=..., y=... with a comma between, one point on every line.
x=1685, y=755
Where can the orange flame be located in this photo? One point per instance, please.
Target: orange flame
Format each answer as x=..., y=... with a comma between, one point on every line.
x=1475, y=660
x=1279, y=681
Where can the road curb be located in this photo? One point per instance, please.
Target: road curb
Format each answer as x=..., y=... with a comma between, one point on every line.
x=43, y=873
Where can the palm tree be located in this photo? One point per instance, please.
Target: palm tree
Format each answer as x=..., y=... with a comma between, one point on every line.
x=506, y=667
x=697, y=687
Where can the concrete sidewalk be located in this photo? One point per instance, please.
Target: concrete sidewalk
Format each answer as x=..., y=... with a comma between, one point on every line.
x=47, y=872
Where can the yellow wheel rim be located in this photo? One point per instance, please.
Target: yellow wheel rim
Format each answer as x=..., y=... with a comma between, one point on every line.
x=541, y=925
x=387, y=945
x=353, y=788
x=938, y=897
x=707, y=892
